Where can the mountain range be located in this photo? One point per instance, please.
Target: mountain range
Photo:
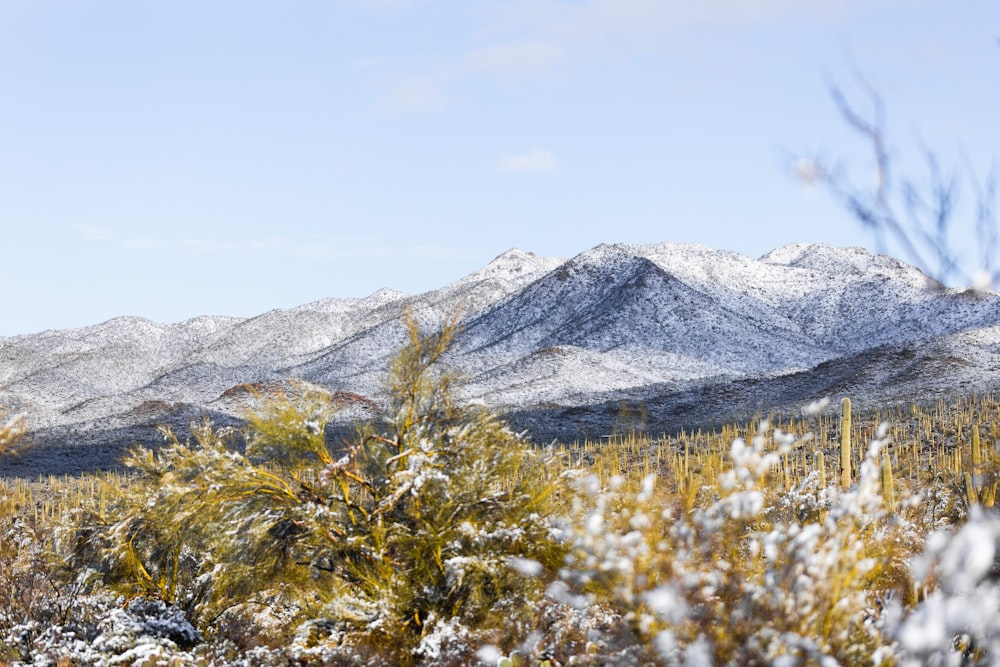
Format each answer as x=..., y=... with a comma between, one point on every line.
x=658, y=337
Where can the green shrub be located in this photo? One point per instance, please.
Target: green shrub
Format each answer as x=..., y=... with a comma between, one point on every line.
x=428, y=517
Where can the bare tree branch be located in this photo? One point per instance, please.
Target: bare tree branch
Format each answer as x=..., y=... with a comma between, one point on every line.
x=918, y=217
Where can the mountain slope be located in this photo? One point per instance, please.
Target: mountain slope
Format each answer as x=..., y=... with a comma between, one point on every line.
x=689, y=331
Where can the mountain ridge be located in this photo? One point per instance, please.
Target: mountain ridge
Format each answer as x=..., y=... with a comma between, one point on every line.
x=659, y=323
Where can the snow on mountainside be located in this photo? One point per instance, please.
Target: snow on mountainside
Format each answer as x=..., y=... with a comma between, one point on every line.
x=841, y=298
x=359, y=361
x=556, y=343
x=615, y=301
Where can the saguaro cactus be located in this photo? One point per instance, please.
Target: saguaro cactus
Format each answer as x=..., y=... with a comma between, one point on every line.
x=971, y=493
x=977, y=451
x=888, y=492
x=989, y=495
x=820, y=464
x=845, y=443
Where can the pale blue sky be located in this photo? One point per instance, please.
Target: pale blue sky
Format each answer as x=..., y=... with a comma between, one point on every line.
x=174, y=159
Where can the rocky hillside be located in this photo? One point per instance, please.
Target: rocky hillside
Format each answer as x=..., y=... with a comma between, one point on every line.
x=674, y=335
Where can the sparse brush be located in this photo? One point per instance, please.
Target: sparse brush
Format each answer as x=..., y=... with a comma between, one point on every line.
x=12, y=432
x=437, y=533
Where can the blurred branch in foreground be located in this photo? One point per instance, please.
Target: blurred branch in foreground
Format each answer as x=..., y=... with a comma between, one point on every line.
x=915, y=216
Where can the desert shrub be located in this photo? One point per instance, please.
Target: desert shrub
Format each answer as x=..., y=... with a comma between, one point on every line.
x=411, y=537
x=102, y=631
x=12, y=431
x=741, y=577
x=35, y=595
x=958, y=620
x=24, y=587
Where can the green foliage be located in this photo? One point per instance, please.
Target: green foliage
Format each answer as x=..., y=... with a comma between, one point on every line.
x=407, y=526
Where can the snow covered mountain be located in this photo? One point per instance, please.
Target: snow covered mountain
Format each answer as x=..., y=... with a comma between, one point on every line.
x=688, y=332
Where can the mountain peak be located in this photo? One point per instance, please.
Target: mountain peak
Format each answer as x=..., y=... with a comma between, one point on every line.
x=847, y=261
x=815, y=255
x=514, y=254
x=385, y=295
x=514, y=265
x=518, y=259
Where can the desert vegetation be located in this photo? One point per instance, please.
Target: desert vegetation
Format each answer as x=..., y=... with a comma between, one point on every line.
x=11, y=433
x=437, y=536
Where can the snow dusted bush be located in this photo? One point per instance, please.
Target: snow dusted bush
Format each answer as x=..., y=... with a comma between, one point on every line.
x=101, y=631
x=739, y=580
x=407, y=541
x=49, y=615
x=958, y=621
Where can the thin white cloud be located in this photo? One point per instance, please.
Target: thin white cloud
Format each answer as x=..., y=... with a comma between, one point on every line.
x=208, y=246
x=433, y=90
x=536, y=38
x=419, y=93
x=384, y=4
x=640, y=19
x=515, y=59
x=94, y=232
x=534, y=160
x=437, y=252
x=368, y=63
x=340, y=250
x=143, y=243
x=317, y=248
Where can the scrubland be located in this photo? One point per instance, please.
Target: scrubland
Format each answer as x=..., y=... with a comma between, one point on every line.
x=438, y=536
